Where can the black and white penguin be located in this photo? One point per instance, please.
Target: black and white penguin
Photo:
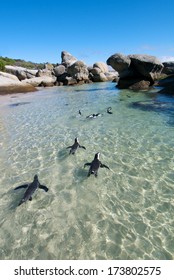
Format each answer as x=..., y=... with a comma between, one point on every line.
x=74, y=147
x=95, y=165
x=93, y=116
x=109, y=109
x=31, y=188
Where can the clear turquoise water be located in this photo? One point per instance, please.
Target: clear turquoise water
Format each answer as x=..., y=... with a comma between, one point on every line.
x=125, y=213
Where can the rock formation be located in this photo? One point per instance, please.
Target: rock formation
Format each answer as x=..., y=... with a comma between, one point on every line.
x=78, y=70
x=168, y=68
x=21, y=72
x=100, y=73
x=67, y=59
x=10, y=84
x=167, y=85
x=135, y=71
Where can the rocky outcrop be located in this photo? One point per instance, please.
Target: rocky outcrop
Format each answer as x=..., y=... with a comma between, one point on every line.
x=167, y=85
x=6, y=77
x=136, y=71
x=147, y=66
x=45, y=81
x=73, y=71
x=102, y=66
x=96, y=75
x=121, y=64
x=21, y=72
x=78, y=70
x=67, y=59
x=70, y=71
x=168, y=68
x=100, y=73
x=112, y=76
x=10, y=84
x=44, y=73
x=59, y=70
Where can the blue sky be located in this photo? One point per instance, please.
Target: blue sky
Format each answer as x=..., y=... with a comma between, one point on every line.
x=91, y=30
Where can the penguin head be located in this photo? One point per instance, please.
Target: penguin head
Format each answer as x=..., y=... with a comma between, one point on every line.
x=76, y=140
x=109, y=109
x=97, y=155
x=35, y=177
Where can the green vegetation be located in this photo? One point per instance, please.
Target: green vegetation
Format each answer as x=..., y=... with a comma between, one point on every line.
x=2, y=65
x=5, y=61
x=19, y=62
x=28, y=64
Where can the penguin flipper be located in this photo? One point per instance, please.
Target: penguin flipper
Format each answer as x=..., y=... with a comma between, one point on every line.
x=43, y=188
x=68, y=147
x=22, y=187
x=87, y=164
x=103, y=165
x=82, y=147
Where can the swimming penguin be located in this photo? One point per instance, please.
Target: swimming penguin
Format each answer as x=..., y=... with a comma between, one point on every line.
x=31, y=188
x=93, y=116
x=109, y=109
x=94, y=165
x=80, y=113
x=75, y=146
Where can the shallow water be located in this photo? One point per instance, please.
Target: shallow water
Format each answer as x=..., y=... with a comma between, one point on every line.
x=124, y=213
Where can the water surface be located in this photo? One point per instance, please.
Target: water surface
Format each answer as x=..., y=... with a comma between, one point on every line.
x=124, y=213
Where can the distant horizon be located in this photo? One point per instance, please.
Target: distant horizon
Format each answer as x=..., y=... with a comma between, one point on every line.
x=91, y=30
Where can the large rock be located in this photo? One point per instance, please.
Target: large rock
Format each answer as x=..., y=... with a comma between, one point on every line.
x=112, y=76
x=136, y=71
x=121, y=64
x=167, y=85
x=69, y=81
x=100, y=73
x=78, y=71
x=4, y=77
x=97, y=77
x=102, y=66
x=21, y=72
x=168, y=68
x=67, y=59
x=10, y=84
x=45, y=81
x=43, y=73
x=146, y=65
x=59, y=70
x=95, y=71
x=134, y=84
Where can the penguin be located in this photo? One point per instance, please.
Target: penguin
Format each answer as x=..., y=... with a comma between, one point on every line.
x=94, y=165
x=93, y=116
x=109, y=109
x=80, y=113
x=31, y=188
x=74, y=147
